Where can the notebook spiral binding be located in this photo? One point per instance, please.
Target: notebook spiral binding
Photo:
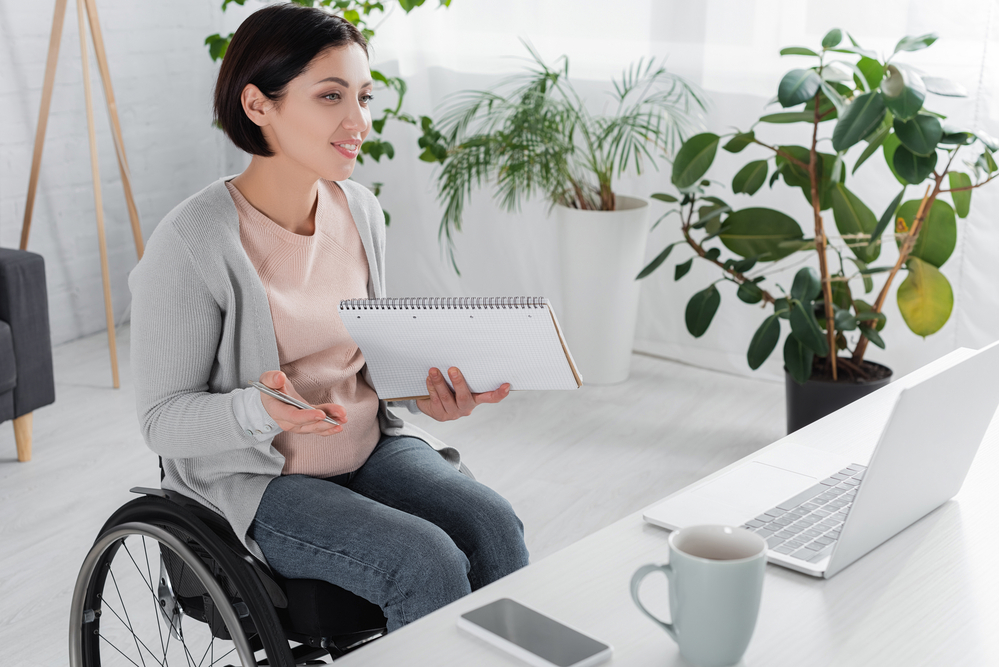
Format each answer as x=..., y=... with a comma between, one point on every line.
x=446, y=303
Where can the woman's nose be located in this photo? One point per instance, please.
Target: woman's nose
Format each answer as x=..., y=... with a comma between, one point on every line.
x=356, y=120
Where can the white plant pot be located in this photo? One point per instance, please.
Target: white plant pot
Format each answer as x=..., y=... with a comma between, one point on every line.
x=601, y=253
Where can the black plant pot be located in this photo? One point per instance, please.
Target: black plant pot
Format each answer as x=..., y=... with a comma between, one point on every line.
x=819, y=397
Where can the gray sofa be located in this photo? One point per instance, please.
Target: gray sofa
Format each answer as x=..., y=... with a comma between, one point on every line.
x=26, y=380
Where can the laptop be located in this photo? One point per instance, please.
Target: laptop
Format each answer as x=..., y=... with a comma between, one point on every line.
x=834, y=490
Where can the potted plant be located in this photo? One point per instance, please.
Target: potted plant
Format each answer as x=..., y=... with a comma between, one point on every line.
x=850, y=95
x=535, y=135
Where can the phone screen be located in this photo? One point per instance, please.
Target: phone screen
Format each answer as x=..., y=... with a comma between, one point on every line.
x=534, y=632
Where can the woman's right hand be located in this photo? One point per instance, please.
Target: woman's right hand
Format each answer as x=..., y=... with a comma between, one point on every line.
x=293, y=419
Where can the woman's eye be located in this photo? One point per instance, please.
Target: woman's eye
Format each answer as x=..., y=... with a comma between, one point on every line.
x=332, y=96
x=367, y=98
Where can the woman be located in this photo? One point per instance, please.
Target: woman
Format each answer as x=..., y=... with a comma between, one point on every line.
x=242, y=281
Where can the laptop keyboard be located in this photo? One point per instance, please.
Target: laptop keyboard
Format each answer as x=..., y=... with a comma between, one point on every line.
x=807, y=526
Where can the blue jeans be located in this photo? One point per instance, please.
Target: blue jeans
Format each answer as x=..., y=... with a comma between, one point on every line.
x=406, y=530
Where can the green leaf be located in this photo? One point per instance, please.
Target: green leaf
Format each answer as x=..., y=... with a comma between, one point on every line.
x=694, y=159
x=806, y=328
x=944, y=87
x=832, y=38
x=797, y=86
x=782, y=308
x=217, y=45
x=866, y=315
x=797, y=51
x=796, y=176
x=903, y=92
x=807, y=284
x=841, y=298
x=844, y=320
x=862, y=116
x=886, y=218
x=669, y=199
x=750, y=178
x=764, y=341
x=654, y=264
x=913, y=168
x=925, y=298
x=682, y=269
x=854, y=218
x=789, y=117
x=701, y=309
x=757, y=232
x=872, y=146
x=990, y=142
x=920, y=134
x=889, y=146
x=872, y=70
x=872, y=335
x=986, y=162
x=378, y=125
x=749, y=293
x=937, y=235
x=744, y=265
x=910, y=43
x=868, y=281
x=797, y=360
x=739, y=141
x=962, y=199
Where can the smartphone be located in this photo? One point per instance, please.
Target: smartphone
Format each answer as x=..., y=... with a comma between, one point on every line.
x=532, y=636
x=285, y=398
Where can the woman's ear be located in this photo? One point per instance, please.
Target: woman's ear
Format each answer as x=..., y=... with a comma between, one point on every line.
x=256, y=105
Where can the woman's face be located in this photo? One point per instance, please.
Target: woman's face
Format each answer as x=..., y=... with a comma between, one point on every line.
x=323, y=118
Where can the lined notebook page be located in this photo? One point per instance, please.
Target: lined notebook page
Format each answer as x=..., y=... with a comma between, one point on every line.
x=491, y=339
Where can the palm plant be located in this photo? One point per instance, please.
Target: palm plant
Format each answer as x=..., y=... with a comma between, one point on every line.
x=534, y=133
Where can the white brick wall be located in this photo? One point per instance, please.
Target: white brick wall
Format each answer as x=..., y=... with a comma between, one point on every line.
x=162, y=78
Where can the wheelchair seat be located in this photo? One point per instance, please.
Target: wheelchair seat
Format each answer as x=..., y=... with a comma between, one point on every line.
x=205, y=574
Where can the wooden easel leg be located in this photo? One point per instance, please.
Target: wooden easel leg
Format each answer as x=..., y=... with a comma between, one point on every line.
x=98, y=202
x=43, y=116
x=119, y=144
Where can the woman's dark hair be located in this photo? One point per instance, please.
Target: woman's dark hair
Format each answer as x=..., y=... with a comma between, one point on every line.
x=271, y=47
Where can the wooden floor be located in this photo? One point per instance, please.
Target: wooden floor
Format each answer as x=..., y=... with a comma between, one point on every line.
x=570, y=462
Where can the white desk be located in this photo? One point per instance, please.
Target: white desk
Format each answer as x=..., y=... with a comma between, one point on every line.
x=929, y=596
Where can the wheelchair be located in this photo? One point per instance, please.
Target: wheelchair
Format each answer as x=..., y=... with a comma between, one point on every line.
x=168, y=582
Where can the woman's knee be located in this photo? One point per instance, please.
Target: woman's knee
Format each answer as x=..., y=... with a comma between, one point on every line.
x=498, y=537
x=432, y=573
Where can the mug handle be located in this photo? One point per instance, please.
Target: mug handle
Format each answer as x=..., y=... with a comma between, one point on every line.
x=636, y=581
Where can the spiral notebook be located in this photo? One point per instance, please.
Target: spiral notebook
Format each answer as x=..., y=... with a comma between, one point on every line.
x=492, y=340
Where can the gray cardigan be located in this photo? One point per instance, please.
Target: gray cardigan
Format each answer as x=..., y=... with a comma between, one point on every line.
x=201, y=330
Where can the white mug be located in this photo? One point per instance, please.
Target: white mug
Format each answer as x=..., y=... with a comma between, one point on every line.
x=715, y=578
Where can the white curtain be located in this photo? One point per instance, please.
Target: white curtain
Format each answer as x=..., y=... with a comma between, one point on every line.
x=730, y=48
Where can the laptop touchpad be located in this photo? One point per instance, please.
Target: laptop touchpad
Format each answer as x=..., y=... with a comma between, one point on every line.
x=756, y=486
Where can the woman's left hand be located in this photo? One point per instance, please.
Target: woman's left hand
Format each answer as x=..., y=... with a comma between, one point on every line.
x=445, y=405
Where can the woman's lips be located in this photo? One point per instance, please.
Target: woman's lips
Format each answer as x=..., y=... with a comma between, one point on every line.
x=344, y=148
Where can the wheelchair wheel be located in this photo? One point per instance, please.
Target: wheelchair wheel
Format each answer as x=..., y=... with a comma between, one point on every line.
x=151, y=593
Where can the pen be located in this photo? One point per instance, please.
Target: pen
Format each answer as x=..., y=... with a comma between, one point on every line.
x=285, y=398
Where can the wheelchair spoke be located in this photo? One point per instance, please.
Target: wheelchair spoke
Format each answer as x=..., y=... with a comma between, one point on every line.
x=156, y=607
x=125, y=611
x=222, y=656
x=119, y=650
x=134, y=636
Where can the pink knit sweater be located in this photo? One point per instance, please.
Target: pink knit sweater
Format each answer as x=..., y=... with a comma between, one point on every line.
x=305, y=278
